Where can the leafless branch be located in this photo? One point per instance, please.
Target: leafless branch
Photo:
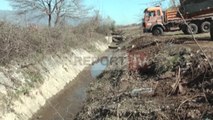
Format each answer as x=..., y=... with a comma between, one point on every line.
x=54, y=10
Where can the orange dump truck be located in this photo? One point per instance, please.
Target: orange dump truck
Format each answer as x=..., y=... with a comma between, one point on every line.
x=197, y=13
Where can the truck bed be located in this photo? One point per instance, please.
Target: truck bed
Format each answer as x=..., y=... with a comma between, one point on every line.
x=172, y=15
x=189, y=11
x=193, y=8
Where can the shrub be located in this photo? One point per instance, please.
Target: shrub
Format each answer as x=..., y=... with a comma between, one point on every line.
x=18, y=43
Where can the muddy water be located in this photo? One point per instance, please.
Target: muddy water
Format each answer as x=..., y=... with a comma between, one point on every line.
x=98, y=67
x=66, y=104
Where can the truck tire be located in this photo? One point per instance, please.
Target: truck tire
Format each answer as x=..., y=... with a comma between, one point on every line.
x=205, y=27
x=192, y=28
x=211, y=30
x=157, y=31
x=184, y=29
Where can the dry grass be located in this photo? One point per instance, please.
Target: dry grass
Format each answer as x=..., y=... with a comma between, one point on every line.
x=18, y=43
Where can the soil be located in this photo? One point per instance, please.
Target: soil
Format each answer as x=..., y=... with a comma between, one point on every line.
x=173, y=80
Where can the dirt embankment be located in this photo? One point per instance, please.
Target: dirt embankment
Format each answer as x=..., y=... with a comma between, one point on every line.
x=37, y=62
x=173, y=80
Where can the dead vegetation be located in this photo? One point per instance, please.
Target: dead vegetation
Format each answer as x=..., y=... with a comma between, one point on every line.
x=27, y=46
x=34, y=43
x=176, y=83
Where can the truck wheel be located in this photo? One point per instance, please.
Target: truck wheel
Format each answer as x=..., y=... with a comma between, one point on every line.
x=211, y=30
x=184, y=29
x=157, y=31
x=205, y=27
x=192, y=28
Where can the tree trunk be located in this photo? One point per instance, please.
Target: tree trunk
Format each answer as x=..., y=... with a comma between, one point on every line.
x=58, y=12
x=49, y=15
x=49, y=20
x=57, y=21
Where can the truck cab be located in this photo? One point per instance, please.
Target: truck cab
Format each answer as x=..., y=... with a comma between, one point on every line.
x=153, y=20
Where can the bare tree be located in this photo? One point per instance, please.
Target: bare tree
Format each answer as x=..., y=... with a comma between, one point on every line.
x=174, y=3
x=160, y=2
x=55, y=10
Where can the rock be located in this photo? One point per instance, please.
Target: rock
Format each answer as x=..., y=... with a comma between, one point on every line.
x=138, y=91
x=194, y=114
